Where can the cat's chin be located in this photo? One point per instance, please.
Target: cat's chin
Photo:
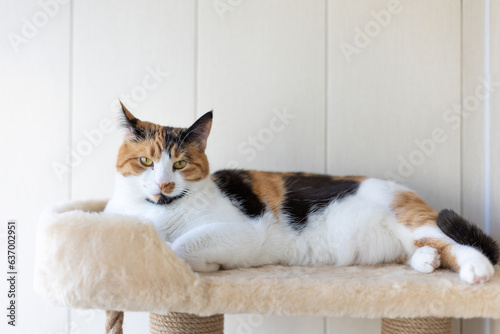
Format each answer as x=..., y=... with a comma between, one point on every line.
x=164, y=199
x=159, y=199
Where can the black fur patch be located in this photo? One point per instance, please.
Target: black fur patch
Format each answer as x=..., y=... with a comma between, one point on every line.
x=237, y=186
x=167, y=199
x=307, y=194
x=465, y=233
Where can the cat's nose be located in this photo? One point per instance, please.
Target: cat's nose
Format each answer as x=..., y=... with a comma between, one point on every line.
x=167, y=188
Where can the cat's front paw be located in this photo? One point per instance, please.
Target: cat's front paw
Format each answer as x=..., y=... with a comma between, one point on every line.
x=197, y=263
x=204, y=267
x=475, y=271
x=425, y=259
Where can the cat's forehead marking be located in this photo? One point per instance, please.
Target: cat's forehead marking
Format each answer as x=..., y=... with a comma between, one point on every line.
x=174, y=140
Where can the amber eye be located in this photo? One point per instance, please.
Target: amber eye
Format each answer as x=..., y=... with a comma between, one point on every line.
x=180, y=164
x=146, y=161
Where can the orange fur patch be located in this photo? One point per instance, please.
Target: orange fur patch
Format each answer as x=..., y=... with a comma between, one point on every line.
x=335, y=178
x=448, y=260
x=269, y=187
x=128, y=157
x=167, y=188
x=412, y=211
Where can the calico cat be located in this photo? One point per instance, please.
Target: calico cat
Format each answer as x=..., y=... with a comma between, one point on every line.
x=242, y=218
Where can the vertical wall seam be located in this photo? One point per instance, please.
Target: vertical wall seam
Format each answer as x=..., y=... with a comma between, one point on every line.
x=70, y=121
x=70, y=96
x=326, y=137
x=327, y=46
x=461, y=167
x=487, y=117
x=462, y=176
x=487, y=133
x=195, y=56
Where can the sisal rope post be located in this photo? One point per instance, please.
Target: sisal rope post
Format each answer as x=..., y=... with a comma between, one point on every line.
x=114, y=322
x=416, y=326
x=181, y=323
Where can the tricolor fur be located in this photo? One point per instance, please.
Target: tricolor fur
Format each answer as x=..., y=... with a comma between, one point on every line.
x=241, y=218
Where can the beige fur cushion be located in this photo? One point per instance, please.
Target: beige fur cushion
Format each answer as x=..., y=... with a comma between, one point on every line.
x=86, y=259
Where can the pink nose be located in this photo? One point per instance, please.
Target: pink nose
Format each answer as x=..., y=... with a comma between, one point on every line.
x=167, y=188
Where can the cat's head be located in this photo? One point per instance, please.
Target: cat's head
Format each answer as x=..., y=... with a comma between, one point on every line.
x=163, y=162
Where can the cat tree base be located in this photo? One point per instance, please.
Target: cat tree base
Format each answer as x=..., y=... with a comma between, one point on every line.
x=180, y=323
x=86, y=259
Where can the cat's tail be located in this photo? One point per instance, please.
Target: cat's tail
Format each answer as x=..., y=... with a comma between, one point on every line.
x=465, y=233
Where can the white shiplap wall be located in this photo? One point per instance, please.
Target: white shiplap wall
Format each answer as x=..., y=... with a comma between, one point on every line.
x=34, y=133
x=285, y=97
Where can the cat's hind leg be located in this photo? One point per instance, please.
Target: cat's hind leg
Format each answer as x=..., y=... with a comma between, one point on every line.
x=446, y=238
x=420, y=221
x=471, y=264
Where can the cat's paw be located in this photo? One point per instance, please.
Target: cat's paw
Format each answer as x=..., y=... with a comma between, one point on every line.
x=202, y=266
x=425, y=259
x=197, y=263
x=476, y=270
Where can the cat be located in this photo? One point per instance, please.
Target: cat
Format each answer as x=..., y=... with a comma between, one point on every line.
x=242, y=218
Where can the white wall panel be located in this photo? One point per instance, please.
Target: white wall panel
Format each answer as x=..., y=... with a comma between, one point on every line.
x=389, y=87
x=143, y=53
x=259, y=62
x=256, y=323
x=494, y=111
x=473, y=111
x=346, y=325
x=34, y=133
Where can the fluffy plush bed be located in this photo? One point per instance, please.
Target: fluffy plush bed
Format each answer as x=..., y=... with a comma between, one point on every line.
x=86, y=259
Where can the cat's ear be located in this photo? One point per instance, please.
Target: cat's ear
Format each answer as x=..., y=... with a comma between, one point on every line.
x=129, y=122
x=199, y=131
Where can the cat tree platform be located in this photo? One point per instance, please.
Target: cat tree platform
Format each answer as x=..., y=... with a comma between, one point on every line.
x=86, y=259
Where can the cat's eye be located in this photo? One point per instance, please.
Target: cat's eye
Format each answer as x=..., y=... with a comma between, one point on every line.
x=146, y=161
x=180, y=164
